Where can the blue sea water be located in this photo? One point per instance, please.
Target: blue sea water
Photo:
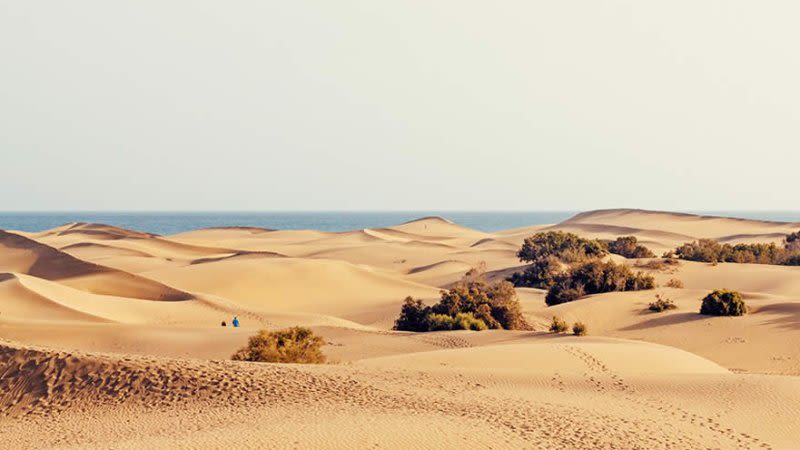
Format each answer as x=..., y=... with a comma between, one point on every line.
x=166, y=223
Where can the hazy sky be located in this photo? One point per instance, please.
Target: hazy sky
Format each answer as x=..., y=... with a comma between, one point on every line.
x=399, y=105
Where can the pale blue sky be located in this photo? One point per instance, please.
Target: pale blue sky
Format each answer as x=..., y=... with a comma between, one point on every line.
x=399, y=105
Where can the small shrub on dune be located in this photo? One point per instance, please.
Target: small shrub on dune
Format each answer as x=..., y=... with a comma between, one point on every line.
x=723, y=302
x=579, y=329
x=629, y=247
x=675, y=283
x=661, y=304
x=658, y=265
x=292, y=345
x=558, y=325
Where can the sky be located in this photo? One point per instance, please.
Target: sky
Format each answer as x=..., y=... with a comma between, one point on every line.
x=399, y=105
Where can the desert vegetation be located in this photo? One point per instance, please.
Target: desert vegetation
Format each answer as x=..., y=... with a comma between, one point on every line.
x=558, y=325
x=566, y=247
x=709, y=250
x=658, y=265
x=595, y=277
x=472, y=304
x=661, y=304
x=569, y=267
x=579, y=329
x=292, y=345
x=674, y=283
x=629, y=247
x=723, y=302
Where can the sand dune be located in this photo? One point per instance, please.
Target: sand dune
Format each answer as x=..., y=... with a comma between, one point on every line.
x=328, y=287
x=20, y=254
x=89, y=362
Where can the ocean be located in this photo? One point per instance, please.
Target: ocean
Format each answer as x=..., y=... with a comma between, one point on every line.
x=166, y=223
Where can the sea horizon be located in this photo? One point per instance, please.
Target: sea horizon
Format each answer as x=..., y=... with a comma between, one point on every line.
x=171, y=222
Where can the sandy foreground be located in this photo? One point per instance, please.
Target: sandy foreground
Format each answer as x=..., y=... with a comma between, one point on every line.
x=111, y=338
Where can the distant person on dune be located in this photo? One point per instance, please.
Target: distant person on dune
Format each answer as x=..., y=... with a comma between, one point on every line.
x=235, y=321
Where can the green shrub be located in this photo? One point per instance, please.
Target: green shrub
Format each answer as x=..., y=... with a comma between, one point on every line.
x=548, y=251
x=595, y=277
x=467, y=321
x=723, y=302
x=461, y=321
x=558, y=325
x=792, y=242
x=629, y=247
x=579, y=329
x=566, y=247
x=708, y=250
x=482, y=305
x=661, y=304
x=413, y=316
x=541, y=273
x=292, y=345
x=439, y=322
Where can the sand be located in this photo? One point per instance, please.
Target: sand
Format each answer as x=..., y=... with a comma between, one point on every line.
x=110, y=338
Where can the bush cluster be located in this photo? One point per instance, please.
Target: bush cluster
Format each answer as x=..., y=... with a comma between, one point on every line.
x=595, y=277
x=629, y=247
x=558, y=325
x=579, y=329
x=661, y=304
x=566, y=247
x=569, y=266
x=709, y=250
x=472, y=304
x=292, y=345
x=547, y=254
x=723, y=302
x=792, y=242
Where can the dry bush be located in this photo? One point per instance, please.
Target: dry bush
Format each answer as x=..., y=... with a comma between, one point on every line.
x=661, y=304
x=579, y=329
x=675, y=283
x=292, y=345
x=558, y=325
x=658, y=265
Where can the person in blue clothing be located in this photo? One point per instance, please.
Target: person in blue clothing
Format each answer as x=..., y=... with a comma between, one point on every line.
x=235, y=321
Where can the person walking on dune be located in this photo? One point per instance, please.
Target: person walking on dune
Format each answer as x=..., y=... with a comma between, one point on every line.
x=235, y=322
